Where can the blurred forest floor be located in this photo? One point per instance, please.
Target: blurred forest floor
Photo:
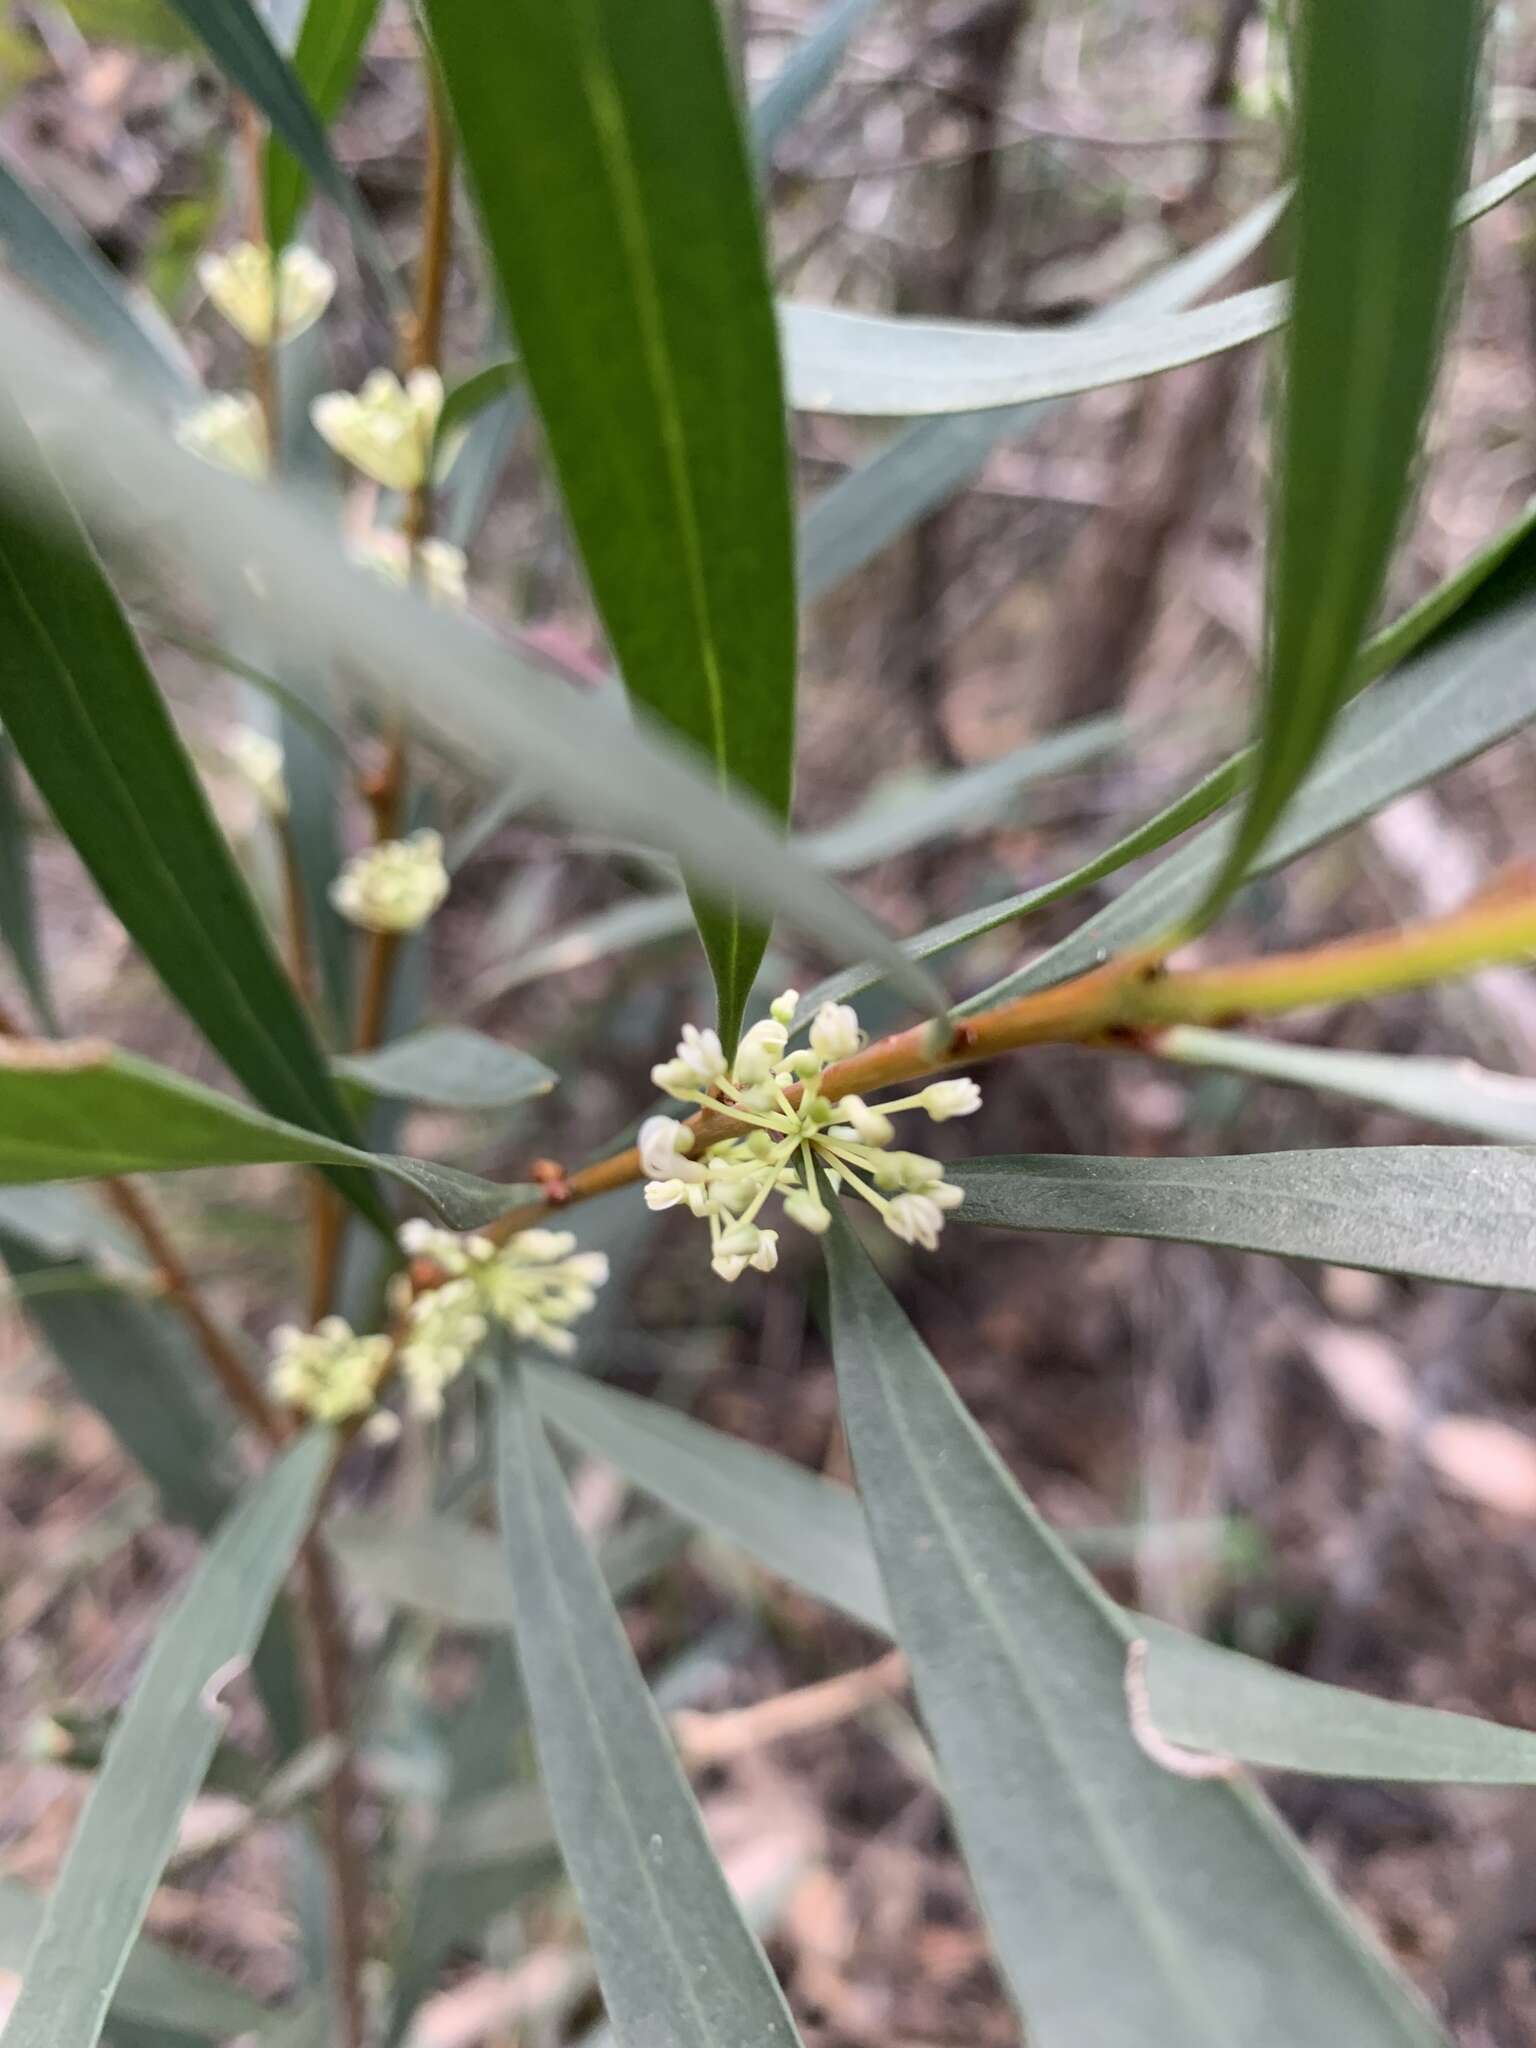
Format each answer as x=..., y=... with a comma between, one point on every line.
x=1355, y=1457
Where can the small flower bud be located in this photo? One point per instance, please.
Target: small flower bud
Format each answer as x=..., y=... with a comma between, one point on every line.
x=664, y=1194
x=230, y=431
x=386, y=429
x=835, y=1033
x=807, y=1210
x=869, y=1126
x=759, y=1052
x=782, y=1009
x=258, y=760
x=766, y=1257
x=944, y=1099
x=266, y=303
x=916, y=1219
x=662, y=1143
x=395, y=886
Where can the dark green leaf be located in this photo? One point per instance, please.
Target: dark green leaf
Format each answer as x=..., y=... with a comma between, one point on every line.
x=677, y=1962
x=81, y=1111
x=54, y=258
x=1443, y=1212
x=450, y=1068
x=614, y=184
x=1173, y=1912
x=472, y=395
x=1385, y=103
x=93, y=730
x=18, y=911
x=237, y=39
x=325, y=60
x=157, y=1755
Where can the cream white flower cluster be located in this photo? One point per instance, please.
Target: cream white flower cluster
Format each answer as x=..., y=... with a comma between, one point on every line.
x=394, y=886
x=535, y=1285
x=328, y=1372
x=267, y=303
x=785, y=1137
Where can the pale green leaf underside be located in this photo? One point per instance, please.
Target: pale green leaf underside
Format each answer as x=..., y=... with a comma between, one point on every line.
x=1441, y=1212
x=868, y=365
x=449, y=1068
x=158, y=1754
x=679, y=1966
x=1176, y=1912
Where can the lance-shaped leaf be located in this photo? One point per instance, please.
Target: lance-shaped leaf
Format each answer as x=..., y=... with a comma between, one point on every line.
x=1174, y=1912
x=604, y=144
x=18, y=908
x=83, y=1111
x=1385, y=102
x=325, y=58
x=86, y=717
x=869, y=365
x=464, y=692
x=451, y=1068
x=238, y=40
x=678, y=1965
x=158, y=1754
x=50, y=254
x=1471, y=684
x=812, y=1532
x=806, y=73
x=1442, y=1212
x=1458, y=1093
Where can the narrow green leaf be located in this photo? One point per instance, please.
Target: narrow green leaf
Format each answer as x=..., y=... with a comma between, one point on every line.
x=1385, y=98
x=1442, y=1212
x=49, y=253
x=94, y=732
x=930, y=460
x=464, y=692
x=458, y=1574
x=806, y=73
x=1206, y=1698
x=325, y=58
x=868, y=366
x=617, y=197
x=157, y=1755
x=1174, y=1912
x=677, y=1962
x=158, y=1987
x=450, y=1068
x=18, y=911
x=1458, y=1093
x=471, y=395
x=237, y=39
x=130, y=1360
x=1471, y=684
x=812, y=1532
x=897, y=818
x=799, y=1526
x=82, y=1111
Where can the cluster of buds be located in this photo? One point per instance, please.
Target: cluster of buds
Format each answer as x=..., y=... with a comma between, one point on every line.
x=328, y=1372
x=387, y=429
x=789, y=1130
x=267, y=303
x=536, y=1285
x=394, y=886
